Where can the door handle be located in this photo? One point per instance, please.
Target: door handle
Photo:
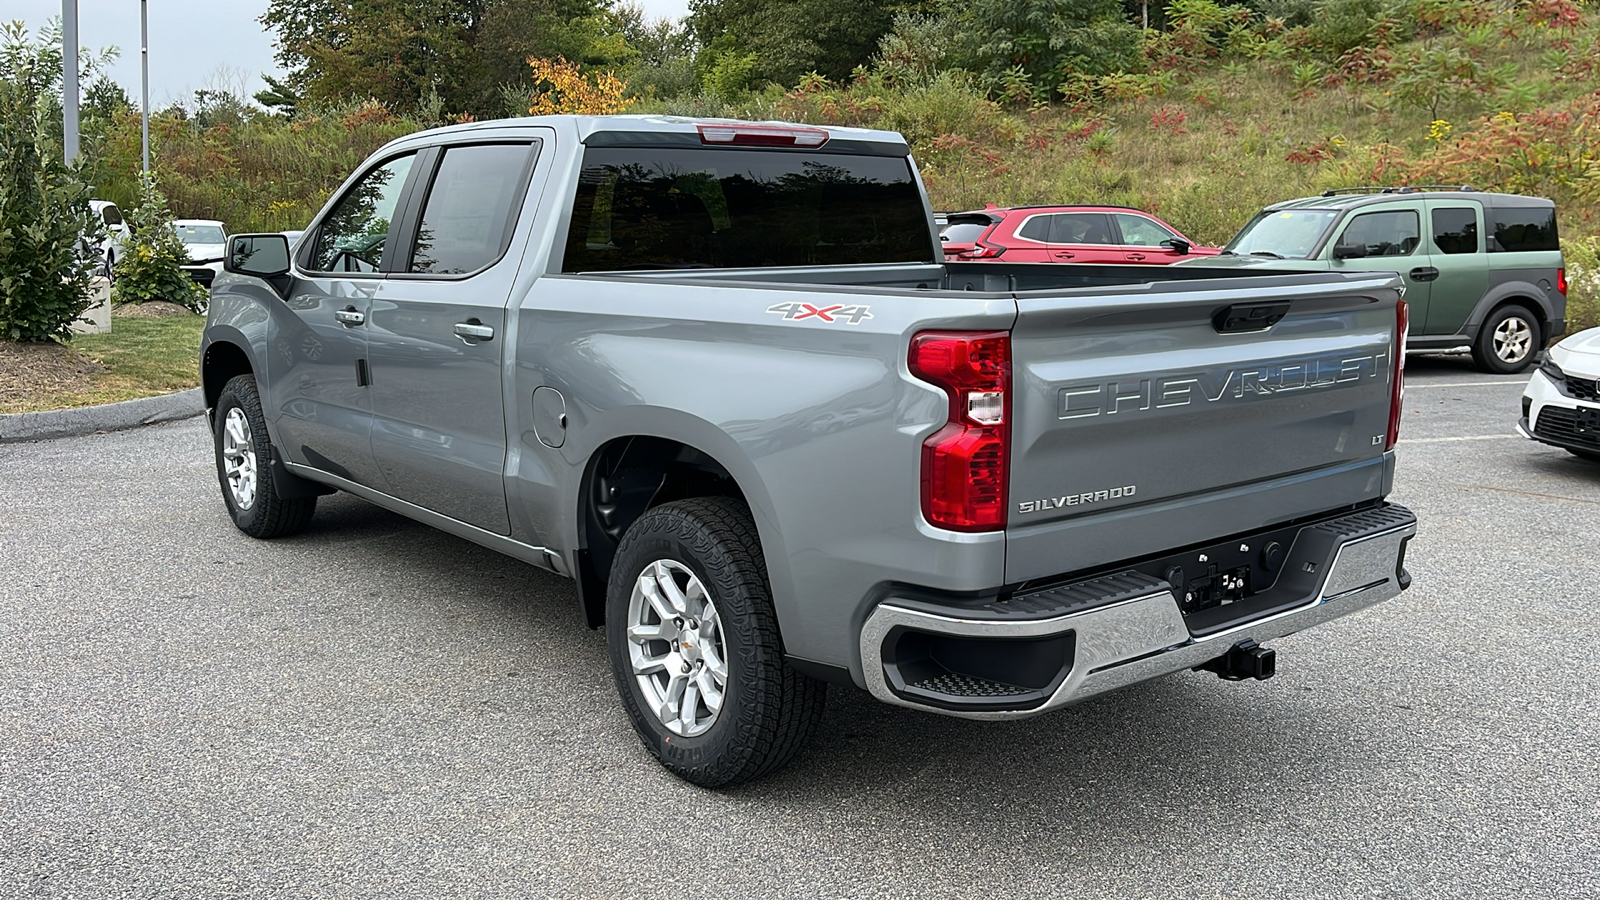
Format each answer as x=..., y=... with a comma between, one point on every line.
x=350, y=316
x=1136, y=256
x=1065, y=254
x=1424, y=273
x=473, y=330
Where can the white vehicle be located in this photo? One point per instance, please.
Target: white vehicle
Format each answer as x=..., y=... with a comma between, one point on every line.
x=1561, y=406
x=206, y=241
x=116, y=233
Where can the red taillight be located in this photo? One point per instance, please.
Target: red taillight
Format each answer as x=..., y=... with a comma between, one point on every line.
x=1397, y=390
x=964, y=464
x=981, y=251
x=740, y=135
x=1561, y=281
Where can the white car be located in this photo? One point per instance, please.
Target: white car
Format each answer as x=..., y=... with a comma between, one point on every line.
x=116, y=232
x=1561, y=406
x=206, y=241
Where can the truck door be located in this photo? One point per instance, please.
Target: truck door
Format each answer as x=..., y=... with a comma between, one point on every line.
x=319, y=361
x=1456, y=251
x=1387, y=239
x=437, y=338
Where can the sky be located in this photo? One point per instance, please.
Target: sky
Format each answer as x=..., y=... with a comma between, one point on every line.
x=194, y=44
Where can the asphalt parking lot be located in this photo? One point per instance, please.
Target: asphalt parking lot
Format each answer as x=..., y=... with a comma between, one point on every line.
x=376, y=709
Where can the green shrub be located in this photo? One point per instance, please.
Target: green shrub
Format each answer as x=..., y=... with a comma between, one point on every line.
x=1583, y=282
x=44, y=206
x=151, y=266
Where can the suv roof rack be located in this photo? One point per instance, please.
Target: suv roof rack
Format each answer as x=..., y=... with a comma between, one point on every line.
x=1397, y=189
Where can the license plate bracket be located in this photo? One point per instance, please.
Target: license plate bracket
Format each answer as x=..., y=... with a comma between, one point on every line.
x=1588, y=421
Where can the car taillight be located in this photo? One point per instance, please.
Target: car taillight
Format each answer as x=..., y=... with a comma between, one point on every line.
x=965, y=463
x=1561, y=281
x=982, y=251
x=1397, y=390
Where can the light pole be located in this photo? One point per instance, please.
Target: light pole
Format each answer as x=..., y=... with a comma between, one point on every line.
x=69, y=79
x=144, y=81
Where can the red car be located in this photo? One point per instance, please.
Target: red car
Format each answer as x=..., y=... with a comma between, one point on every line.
x=1076, y=234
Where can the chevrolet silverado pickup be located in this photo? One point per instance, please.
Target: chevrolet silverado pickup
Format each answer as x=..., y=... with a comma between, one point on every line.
x=719, y=374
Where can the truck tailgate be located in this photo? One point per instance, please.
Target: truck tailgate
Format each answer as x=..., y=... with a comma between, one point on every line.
x=1145, y=418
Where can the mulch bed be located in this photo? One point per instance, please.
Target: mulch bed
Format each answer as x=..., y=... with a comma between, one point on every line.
x=155, y=309
x=27, y=370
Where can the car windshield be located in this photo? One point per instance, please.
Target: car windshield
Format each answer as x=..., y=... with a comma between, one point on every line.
x=200, y=234
x=1283, y=234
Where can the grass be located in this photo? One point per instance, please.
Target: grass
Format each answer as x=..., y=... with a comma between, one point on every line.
x=143, y=357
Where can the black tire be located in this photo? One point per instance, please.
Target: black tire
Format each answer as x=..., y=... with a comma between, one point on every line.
x=768, y=710
x=1590, y=455
x=1484, y=355
x=263, y=514
x=111, y=267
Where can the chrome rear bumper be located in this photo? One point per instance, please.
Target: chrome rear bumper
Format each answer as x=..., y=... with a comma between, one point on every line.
x=1128, y=628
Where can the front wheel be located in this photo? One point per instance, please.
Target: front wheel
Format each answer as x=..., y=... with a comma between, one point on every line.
x=244, y=454
x=1590, y=455
x=695, y=650
x=1508, y=341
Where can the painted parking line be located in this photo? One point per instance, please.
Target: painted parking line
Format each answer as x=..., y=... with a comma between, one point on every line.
x=1423, y=384
x=1468, y=437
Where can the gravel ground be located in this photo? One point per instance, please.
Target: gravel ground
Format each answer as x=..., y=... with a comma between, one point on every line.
x=375, y=709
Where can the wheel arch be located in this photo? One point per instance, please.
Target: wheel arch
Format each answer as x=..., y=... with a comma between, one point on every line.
x=225, y=357
x=629, y=474
x=1520, y=293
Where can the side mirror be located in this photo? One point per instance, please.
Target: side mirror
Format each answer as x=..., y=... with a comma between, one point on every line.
x=1349, y=251
x=258, y=255
x=1178, y=245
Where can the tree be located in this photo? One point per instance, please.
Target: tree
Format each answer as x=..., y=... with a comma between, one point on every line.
x=401, y=52
x=790, y=38
x=44, y=206
x=1047, y=40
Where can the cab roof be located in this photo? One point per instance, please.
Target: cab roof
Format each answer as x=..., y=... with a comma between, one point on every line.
x=651, y=130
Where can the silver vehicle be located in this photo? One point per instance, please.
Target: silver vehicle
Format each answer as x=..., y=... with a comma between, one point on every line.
x=719, y=375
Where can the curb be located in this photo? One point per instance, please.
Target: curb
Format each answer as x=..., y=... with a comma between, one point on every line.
x=60, y=423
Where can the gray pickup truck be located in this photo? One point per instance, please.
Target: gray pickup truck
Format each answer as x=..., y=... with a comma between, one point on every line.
x=718, y=374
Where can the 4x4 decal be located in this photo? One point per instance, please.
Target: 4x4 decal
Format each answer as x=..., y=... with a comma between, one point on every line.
x=794, y=312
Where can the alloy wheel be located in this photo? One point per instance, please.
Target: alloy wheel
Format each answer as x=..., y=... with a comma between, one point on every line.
x=1513, y=340
x=676, y=647
x=239, y=458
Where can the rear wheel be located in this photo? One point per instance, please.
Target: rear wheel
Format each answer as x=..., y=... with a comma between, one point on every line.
x=1508, y=341
x=695, y=650
x=244, y=454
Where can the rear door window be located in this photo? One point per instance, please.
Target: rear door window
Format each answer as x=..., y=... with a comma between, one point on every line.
x=693, y=208
x=1520, y=229
x=1390, y=233
x=1036, y=229
x=471, y=208
x=1081, y=228
x=1138, y=231
x=1455, y=229
x=353, y=236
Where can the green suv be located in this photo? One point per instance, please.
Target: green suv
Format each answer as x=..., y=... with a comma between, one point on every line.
x=1481, y=270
